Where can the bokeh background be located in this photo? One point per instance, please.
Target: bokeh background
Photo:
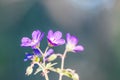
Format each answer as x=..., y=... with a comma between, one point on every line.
x=95, y=22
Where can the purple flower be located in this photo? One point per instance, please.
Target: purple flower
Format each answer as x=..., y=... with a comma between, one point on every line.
x=54, y=39
x=33, y=57
x=36, y=56
x=72, y=42
x=36, y=38
x=28, y=56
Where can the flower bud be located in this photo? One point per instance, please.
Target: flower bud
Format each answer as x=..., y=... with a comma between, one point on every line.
x=52, y=57
x=29, y=70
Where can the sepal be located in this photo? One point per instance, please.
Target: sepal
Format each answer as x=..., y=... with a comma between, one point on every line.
x=38, y=70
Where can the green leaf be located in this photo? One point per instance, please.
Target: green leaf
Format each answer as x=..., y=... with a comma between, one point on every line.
x=38, y=70
x=67, y=72
x=50, y=65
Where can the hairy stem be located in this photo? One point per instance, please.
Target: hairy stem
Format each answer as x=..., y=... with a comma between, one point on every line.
x=62, y=63
x=46, y=49
x=44, y=71
x=45, y=54
x=40, y=51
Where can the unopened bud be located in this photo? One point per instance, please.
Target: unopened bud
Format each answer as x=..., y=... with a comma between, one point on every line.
x=52, y=57
x=29, y=70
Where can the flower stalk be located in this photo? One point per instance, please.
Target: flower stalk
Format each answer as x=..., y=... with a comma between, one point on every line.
x=62, y=63
x=44, y=71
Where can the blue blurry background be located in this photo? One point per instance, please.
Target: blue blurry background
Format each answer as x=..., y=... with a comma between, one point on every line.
x=95, y=22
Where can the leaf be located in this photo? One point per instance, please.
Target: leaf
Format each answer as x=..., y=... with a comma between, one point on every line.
x=38, y=70
x=50, y=65
x=67, y=72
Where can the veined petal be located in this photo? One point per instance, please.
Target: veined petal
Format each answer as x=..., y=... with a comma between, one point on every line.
x=57, y=35
x=36, y=35
x=50, y=33
x=68, y=37
x=41, y=37
x=78, y=48
x=73, y=40
x=25, y=41
x=60, y=41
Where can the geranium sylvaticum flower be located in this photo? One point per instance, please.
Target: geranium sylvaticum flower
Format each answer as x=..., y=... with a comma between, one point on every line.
x=54, y=39
x=32, y=57
x=72, y=42
x=28, y=56
x=35, y=41
x=37, y=55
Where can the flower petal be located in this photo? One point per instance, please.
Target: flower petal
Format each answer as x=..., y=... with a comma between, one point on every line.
x=74, y=40
x=71, y=39
x=78, y=48
x=41, y=37
x=36, y=35
x=68, y=37
x=28, y=56
x=36, y=52
x=57, y=35
x=25, y=41
x=50, y=33
x=60, y=41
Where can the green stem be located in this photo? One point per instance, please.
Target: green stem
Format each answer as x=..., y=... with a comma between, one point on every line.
x=46, y=49
x=45, y=54
x=62, y=63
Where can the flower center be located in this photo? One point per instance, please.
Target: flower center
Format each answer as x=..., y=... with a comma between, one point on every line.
x=70, y=47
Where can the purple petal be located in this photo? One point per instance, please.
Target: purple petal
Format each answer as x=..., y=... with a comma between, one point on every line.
x=28, y=56
x=50, y=34
x=71, y=39
x=74, y=40
x=68, y=36
x=36, y=52
x=60, y=41
x=41, y=37
x=36, y=35
x=78, y=48
x=25, y=41
x=57, y=35
x=49, y=52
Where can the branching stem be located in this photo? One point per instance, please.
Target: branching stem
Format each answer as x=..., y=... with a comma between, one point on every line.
x=62, y=63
